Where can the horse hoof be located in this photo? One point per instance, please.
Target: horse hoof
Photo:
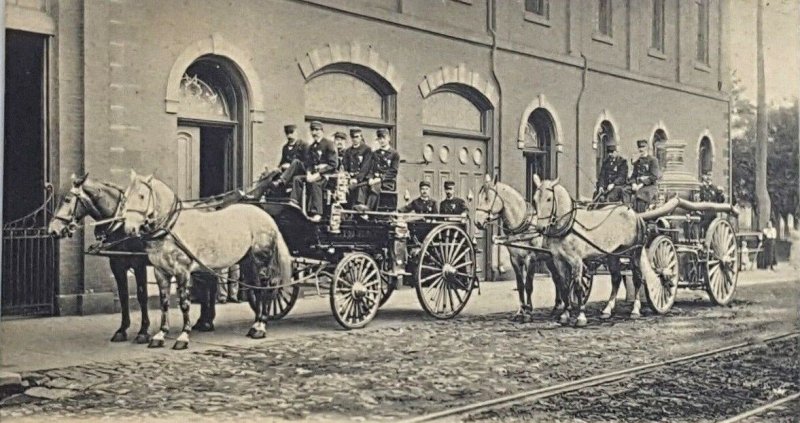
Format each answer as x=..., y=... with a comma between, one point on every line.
x=203, y=327
x=605, y=316
x=251, y=332
x=564, y=321
x=180, y=345
x=259, y=334
x=579, y=323
x=635, y=316
x=142, y=338
x=156, y=343
x=119, y=337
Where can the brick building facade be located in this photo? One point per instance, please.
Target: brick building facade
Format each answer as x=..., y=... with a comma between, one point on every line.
x=198, y=91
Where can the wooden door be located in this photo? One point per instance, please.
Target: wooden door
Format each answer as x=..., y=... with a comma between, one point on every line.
x=188, y=140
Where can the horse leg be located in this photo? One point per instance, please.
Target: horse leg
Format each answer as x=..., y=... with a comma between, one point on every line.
x=579, y=294
x=250, y=276
x=558, y=283
x=518, y=271
x=119, y=269
x=183, y=297
x=565, y=274
x=636, y=311
x=530, y=272
x=140, y=271
x=613, y=264
x=207, y=289
x=163, y=279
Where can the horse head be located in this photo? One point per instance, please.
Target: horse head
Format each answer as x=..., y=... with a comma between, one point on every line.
x=149, y=202
x=74, y=206
x=553, y=204
x=490, y=204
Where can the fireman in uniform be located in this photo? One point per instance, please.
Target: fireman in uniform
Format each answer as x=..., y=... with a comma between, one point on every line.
x=355, y=161
x=613, y=176
x=381, y=173
x=452, y=204
x=293, y=150
x=644, y=179
x=423, y=204
x=320, y=159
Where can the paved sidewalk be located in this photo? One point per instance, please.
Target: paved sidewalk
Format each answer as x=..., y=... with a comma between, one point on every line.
x=43, y=343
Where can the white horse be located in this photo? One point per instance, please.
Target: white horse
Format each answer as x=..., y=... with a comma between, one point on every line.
x=498, y=201
x=179, y=242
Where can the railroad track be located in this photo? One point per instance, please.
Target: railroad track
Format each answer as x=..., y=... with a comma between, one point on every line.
x=452, y=414
x=762, y=409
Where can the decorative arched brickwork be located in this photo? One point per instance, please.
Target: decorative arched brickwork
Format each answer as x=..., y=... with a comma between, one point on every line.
x=218, y=46
x=316, y=60
x=460, y=75
x=540, y=102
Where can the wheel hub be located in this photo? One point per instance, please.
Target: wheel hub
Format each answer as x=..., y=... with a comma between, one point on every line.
x=359, y=290
x=448, y=271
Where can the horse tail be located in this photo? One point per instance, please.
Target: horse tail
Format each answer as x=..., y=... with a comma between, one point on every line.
x=649, y=276
x=281, y=256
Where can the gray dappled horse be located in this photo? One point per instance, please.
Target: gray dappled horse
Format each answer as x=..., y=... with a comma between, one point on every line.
x=574, y=234
x=179, y=241
x=101, y=201
x=498, y=201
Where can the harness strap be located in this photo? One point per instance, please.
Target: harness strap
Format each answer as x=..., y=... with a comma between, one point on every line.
x=530, y=217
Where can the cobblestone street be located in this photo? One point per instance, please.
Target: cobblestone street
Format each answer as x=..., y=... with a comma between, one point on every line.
x=394, y=372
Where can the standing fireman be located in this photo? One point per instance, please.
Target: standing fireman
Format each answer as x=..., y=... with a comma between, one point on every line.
x=423, y=204
x=452, y=204
x=355, y=161
x=381, y=173
x=320, y=160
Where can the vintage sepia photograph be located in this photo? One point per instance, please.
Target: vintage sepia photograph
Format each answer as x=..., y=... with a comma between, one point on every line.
x=475, y=211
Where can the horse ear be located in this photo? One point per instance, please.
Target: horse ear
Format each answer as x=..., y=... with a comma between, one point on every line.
x=555, y=181
x=149, y=178
x=133, y=175
x=536, y=180
x=78, y=180
x=487, y=179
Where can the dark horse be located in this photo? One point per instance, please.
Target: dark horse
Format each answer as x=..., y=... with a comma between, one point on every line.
x=101, y=201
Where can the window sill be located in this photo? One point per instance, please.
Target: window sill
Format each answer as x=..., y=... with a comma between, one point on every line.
x=702, y=67
x=603, y=38
x=656, y=53
x=463, y=1
x=537, y=19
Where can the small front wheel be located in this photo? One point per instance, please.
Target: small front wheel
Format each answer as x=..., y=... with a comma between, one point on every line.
x=445, y=271
x=355, y=290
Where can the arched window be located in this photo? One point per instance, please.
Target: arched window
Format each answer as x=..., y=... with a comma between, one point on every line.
x=605, y=135
x=540, y=137
x=659, y=141
x=705, y=157
x=212, y=128
x=342, y=95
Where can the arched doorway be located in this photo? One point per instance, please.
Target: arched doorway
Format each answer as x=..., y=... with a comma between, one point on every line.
x=705, y=157
x=212, y=128
x=659, y=142
x=605, y=135
x=540, y=137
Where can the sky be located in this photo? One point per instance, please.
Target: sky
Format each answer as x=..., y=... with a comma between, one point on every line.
x=781, y=47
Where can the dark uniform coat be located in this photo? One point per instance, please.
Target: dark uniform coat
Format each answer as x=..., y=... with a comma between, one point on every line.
x=613, y=171
x=709, y=192
x=454, y=205
x=383, y=164
x=319, y=157
x=291, y=152
x=646, y=171
x=421, y=206
x=355, y=160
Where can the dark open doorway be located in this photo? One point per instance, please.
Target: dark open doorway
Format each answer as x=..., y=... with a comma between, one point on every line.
x=216, y=159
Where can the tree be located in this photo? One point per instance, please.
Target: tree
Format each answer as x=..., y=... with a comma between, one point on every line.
x=762, y=195
x=782, y=169
x=743, y=115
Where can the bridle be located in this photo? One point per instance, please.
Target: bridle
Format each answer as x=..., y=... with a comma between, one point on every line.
x=80, y=196
x=494, y=216
x=151, y=223
x=553, y=230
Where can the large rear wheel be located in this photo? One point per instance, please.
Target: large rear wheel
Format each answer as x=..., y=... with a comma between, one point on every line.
x=355, y=290
x=663, y=258
x=722, y=265
x=445, y=271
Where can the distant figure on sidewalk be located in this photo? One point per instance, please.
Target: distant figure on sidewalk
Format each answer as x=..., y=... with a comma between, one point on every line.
x=794, y=256
x=770, y=234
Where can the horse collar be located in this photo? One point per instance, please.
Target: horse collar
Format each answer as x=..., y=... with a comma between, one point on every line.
x=530, y=217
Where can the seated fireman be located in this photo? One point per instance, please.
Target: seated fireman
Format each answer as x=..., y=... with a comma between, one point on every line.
x=355, y=161
x=423, y=204
x=320, y=159
x=613, y=176
x=644, y=179
x=293, y=151
x=381, y=173
x=452, y=204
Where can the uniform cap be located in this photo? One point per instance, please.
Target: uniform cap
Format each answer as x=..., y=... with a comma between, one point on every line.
x=641, y=143
x=288, y=129
x=611, y=147
x=382, y=132
x=424, y=184
x=316, y=124
x=355, y=131
x=340, y=135
x=449, y=184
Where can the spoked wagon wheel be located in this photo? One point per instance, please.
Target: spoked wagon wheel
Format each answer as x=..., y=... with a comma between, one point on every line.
x=722, y=266
x=355, y=290
x=663, y=258
x=283, y=297
x=445, y=272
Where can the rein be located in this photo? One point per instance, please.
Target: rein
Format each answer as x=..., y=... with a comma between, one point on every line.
x=562, y=231
x=527, y=222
